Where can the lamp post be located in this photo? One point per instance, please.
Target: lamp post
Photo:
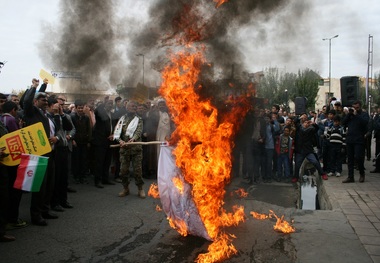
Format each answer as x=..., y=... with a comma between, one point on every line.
x=143, y=57
x=286, y=100
x=329, y=39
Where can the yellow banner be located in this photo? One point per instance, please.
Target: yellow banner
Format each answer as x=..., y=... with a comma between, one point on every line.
x=46, y=75
x=29, y=140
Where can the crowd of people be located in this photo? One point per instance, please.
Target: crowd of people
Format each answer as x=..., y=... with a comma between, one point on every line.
x=102, y=142
x=273, y=143
x=98, y=141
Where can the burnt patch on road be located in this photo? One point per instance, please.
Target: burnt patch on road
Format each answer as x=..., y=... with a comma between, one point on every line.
x=182, y=249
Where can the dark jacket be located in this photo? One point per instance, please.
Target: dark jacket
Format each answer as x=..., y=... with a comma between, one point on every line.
x=103, y=127
x=33, y=114
x=305, y=139
x=357, y=127
x=83, y=128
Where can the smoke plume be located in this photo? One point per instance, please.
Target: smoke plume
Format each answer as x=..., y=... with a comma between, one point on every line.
x=101, y=41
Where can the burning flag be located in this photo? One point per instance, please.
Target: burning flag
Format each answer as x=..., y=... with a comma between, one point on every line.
x=192, y=175
x=203, y=143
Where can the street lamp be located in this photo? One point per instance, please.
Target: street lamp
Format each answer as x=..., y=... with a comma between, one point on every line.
x=143, y=57
x=329, y=39
x=286, y=100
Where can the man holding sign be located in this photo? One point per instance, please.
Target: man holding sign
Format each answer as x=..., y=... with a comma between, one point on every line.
x=35, y=105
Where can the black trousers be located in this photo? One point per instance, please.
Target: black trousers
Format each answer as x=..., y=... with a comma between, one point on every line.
x=61, y=180
x=79, y=161
x=355, y=152
x=102, y=161
x=40, y=202
x=15, y=195
x=3, y=198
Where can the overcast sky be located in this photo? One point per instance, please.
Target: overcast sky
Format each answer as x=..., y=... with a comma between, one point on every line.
x=266, y=44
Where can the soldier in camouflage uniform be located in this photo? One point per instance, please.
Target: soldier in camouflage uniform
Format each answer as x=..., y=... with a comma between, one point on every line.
x=131, y=127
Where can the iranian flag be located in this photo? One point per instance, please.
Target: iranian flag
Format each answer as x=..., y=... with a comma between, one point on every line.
x=31, y=172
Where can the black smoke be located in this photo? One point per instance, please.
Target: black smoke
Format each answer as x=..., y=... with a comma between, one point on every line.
x=95, y=39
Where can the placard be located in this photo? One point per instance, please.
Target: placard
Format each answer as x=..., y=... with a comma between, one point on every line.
x=30, y=140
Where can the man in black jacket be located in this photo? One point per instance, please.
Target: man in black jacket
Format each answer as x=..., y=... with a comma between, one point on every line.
x=62, y=124
x=100, y=143
x=35, y=105
x=357, y=123
x=304, y=147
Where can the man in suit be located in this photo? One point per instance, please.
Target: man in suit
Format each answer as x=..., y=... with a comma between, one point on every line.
x=35, y=105
x=102, y=138
x=62, y=124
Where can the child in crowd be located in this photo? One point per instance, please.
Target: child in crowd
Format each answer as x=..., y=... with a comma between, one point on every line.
x=336, y=139
x=284, y=151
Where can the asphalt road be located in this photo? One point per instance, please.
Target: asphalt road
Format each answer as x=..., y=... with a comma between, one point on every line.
x=103, y=227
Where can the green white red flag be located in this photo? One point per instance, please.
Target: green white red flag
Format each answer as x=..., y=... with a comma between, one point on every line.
x=31, y=172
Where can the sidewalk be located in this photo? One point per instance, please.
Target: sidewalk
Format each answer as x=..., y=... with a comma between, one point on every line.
x=360, y=204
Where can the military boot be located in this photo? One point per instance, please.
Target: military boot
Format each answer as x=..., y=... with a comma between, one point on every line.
x=141, y=193
x=124, y=192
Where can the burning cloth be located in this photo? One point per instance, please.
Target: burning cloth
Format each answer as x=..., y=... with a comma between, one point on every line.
x=176, y=198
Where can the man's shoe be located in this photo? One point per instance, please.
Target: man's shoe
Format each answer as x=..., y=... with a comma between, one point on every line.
x=16, y=225
x=7, y=238
x=58, y=208
x=124, y=192
x=324, y=176
x=337, y=174
x=374, y=171
x=142, y=193
x=67, y=205
x=99, y=186
x=118, y=180
x=349, y=180
x=71, y=190
x=49, y=215
x=330, y=174
x=39, y=222
x=294, y=180
x=362, y=177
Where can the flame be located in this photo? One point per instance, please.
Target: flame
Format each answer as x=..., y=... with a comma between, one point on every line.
x=241, y=193
x=153, y=191
x=259, y=216
x=203, y=146
x=179, y=184
x=178, y=225
x=220, y=2
x=281, y=224
x=202, y=137
x=158, y=208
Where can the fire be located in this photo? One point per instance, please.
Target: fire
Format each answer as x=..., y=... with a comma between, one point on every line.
x=203, y=148
x=220, y=2
x=158, y=208
x=281, y=224
x=241, y=193
x=259, y=216
x=179, y=184
x=203, y=138
x=153, y=191
x=178, y=225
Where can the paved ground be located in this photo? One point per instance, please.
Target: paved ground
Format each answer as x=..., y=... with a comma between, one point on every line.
x=105, y=228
